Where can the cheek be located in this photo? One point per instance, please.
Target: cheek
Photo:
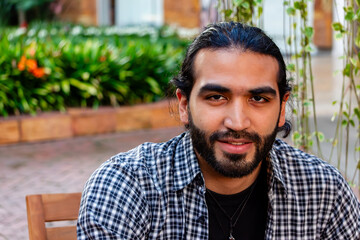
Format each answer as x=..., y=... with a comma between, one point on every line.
x=264, y=122
x=205, y=118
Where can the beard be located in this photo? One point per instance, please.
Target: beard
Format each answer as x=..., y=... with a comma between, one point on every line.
x=231, y=165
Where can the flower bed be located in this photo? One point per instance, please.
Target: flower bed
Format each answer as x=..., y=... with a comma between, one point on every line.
x=51, y=67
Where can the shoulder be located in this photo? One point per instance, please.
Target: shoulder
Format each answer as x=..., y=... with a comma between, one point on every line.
x=305, y=186
x=296, y=164
x=308, y=177
x=137, y=164
x=125, y=188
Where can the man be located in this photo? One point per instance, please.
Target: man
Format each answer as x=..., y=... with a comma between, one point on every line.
x=226, y=177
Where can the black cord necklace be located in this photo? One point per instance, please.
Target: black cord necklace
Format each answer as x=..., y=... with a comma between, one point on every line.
x=238, y=211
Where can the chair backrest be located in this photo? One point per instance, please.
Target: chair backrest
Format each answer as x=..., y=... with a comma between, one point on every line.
x=44, y=208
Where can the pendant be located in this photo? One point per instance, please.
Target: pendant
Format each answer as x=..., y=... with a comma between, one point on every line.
x=231, y=237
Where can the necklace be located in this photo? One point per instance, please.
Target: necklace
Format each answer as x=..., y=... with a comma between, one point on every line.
x=238, y=211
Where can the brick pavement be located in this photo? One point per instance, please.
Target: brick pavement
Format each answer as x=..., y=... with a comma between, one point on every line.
x=56, y=166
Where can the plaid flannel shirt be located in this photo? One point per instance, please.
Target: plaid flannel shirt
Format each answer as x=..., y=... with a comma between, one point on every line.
x=156, y=191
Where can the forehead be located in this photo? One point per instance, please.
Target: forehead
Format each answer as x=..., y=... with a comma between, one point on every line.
x=235, y=69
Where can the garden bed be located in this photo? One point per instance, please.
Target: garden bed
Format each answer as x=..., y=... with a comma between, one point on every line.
x=85, y=121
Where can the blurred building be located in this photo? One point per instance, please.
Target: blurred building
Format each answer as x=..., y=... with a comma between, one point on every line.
x=191, y=14
x=184, y=13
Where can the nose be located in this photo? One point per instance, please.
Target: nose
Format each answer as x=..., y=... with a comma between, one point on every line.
x=237, y=117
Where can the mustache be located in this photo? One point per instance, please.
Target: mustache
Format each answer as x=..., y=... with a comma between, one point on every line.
x=254, y=137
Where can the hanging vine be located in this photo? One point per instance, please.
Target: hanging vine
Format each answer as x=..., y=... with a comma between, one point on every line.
x=348, y=116
x=299, y=41
x=245, y=11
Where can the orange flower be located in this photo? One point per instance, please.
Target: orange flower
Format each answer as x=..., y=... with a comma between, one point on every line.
x=38, y=72
x=21, y=64
x=102, y=58
x=31, y=65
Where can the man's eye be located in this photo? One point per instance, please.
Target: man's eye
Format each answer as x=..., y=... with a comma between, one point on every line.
x=258, y=99
x=216, y=97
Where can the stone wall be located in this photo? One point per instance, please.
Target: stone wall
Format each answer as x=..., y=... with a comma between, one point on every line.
x=184, y=13
x=79, y=11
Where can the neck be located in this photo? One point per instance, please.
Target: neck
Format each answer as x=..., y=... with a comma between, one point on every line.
x=226, y=185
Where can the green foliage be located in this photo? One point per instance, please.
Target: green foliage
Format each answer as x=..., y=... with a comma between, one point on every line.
x=27, y=4
x=51, y=67
x=303, y=83
x=246, y=11
x=348, y=115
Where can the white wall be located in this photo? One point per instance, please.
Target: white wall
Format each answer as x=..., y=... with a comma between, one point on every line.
x=139, y=12
x=103, y=12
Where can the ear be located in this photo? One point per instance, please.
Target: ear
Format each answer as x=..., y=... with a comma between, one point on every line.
x=282, y=110
x=183, y=107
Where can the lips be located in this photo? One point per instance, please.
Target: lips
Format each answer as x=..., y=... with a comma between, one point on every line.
x=235, y=146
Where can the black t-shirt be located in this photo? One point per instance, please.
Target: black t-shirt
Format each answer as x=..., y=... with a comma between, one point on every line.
x=252, y=221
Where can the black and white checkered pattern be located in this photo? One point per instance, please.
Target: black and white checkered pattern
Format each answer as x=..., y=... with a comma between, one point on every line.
x=156, y=191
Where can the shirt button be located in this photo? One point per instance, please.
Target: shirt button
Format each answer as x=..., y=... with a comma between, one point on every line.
x=201, y=190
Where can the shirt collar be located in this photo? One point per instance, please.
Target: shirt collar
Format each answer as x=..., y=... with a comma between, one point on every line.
x=186, y=166
x=275, y=173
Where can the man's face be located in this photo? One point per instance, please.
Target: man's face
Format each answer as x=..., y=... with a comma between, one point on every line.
x=234, y=109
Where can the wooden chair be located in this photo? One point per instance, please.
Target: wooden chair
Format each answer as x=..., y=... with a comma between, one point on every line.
x=44, y=208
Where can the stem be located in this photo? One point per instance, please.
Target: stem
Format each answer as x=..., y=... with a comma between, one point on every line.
x=314, y=107
x=304, y=116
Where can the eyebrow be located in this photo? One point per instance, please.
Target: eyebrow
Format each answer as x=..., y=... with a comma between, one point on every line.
x=213, y=88
x=263, y=90
x=222, y=89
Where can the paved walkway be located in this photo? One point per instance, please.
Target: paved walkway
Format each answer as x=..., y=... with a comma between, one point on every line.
x=56, y=166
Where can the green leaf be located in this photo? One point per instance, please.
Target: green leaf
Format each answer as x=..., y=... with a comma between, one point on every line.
x=357, y=113
x=155, y=88
x=337, y=26
x=353, y=61
x=245, y=5
x=289, y=40
x=320, y=136
x=41, y=91
x=352, y=123
x=309, y=32
x=65, y=86
x=297, y=5
x=291, y=67
x=296, y=135
x=308, y=48
x=228, y=12
x=350, y=16
x=346, y=70
x=339, y=36
x=291, y=11
x=88, y=88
